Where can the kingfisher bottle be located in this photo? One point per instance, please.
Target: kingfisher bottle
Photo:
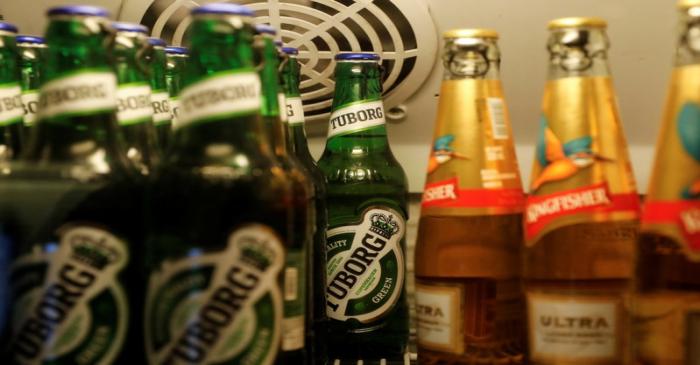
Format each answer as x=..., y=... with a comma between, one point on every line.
x=667, y=301
x=582, y=215
x=176, y=59
x=367, y=212
x=159, y=92
x=71, y=208
x=32, y=52
x=296, y=268
x=469, y=301
x=220, y=211
x=316, y=278
x=11, y=108
x=134, y=109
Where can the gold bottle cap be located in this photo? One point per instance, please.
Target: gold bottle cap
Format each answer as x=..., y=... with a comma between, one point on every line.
x=687, y=4
x=470, y=33
x=577, y=22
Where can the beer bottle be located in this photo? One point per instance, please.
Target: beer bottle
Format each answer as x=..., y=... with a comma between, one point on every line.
x=317, y=252
x=32, y=51
x=134, y=109
x=367, y=213
x=668, y=267
x=295, y=299
x=468, y=294
x=220, y=211
x=11, y=108
x=176, y=58
x=159, y=92
x=70, y=207
x=581, y=217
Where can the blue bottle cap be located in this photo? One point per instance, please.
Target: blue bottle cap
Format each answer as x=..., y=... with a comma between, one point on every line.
x=290, y=50
x=357, y=56
x=157, y=42
x=32, y=39
x=129, y=27
x=86, y=10
x=7, y=27
x=176, y=50
x=265, y=29
x=223, y=8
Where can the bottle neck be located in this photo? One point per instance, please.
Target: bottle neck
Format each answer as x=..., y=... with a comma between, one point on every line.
x=688, y=46
x=471, y=58
x=129, y=55
x=290, y=77
x=578, y=52
x=31, y=62
x=174, y=69
x=158, y=62
x=8, y=59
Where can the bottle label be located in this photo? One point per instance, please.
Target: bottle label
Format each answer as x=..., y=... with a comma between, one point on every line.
x=356, y=117
x=294, y=111
x=472, y=168
x=219, y=307
x=582, y=171
x=161, y=108
x=174, y=110
x=365, y=266
x=11, y=107
x=439, y=317
x=281, y=101
x=78, y=93
x=574, y=329
x=134, y=104
x=30, y=100
x=70, y=306
x=220, y=95
x=293, y=326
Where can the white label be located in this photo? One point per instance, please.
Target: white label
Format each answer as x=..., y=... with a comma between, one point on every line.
x=30, y=100
x=11, y=107
x=227, y=93
x=498, y=119
x=356, y=117
x=161, y=107
x=174, y=110
x=134, y=104
x=78, y=93
x=439, y=317
x=282, y=102
x=295, y=111
x=573, y=329
x=293, y=329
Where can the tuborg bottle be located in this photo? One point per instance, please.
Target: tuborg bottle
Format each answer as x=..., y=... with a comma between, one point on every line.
x=581, y=217
x=159, y=92
x=32, y=54
x=70, y=207
x=468, y=295
x=176, y=58
x=220, y=211
x=11, y=108
x=367, y=213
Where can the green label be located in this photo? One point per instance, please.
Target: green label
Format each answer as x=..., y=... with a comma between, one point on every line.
x=220, y=307
x=294, y=301
x=70, y=307
x=366, y=266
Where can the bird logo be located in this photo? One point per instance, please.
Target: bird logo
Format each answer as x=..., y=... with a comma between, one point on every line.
x=442, y=153
x=688, y=123
x=561, y=161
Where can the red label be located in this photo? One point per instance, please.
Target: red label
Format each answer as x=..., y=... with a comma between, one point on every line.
x=447, y=194
x=542, y=210
x=685, y=214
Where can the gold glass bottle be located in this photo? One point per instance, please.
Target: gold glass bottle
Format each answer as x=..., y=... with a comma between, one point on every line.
x=468, y=293
x=581, y=217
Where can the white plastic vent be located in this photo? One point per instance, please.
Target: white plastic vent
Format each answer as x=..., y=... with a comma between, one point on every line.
x=401, y=31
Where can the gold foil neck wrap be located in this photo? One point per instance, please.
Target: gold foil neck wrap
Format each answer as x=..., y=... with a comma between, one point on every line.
x=470, y=33
x=577, y=22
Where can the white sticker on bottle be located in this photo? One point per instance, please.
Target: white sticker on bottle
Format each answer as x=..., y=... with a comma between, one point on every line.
x=11, y=107
x=161, y=107
x=30, y=100
x=226, y=93
x=295, y=111
x=134, y=104
x=78, y=93
x=439, y=317
x=571, y=329
x=356, y=117
x=496, y=108
x=282, y=102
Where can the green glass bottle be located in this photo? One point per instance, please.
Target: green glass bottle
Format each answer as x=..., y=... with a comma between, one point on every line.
x=316, y=278
x=159, y=92
x=11, y=108
x=294, y=335
x=32, y=52
x=220, y=211
x=71, y=208
x=134, y=109
x=176, y=58
x=367, y=213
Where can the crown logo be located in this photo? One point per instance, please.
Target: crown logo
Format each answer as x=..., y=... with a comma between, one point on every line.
x=254, y=254
x=383, y=225
x=93, y=254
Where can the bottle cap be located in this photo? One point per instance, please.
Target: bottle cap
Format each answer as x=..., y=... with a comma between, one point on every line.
x=223, y=8
x=176, y=50
x=7, y=27
x=85, y=10
x=290, y=50
x=470, y=33
x=577, y=22
x=265, y=29
x=129, y=27
x=357, y=56
x=32, y=39
x=157, y=42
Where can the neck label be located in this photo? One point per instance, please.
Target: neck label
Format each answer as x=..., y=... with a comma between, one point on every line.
x=11, y=109
x=80, y=93
x=220, y=95
x=281, y=101
x=174, y=110
x=30, y=100
x=161, y=107
x=134, y=104
x=294, y=111
x=356, y=117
